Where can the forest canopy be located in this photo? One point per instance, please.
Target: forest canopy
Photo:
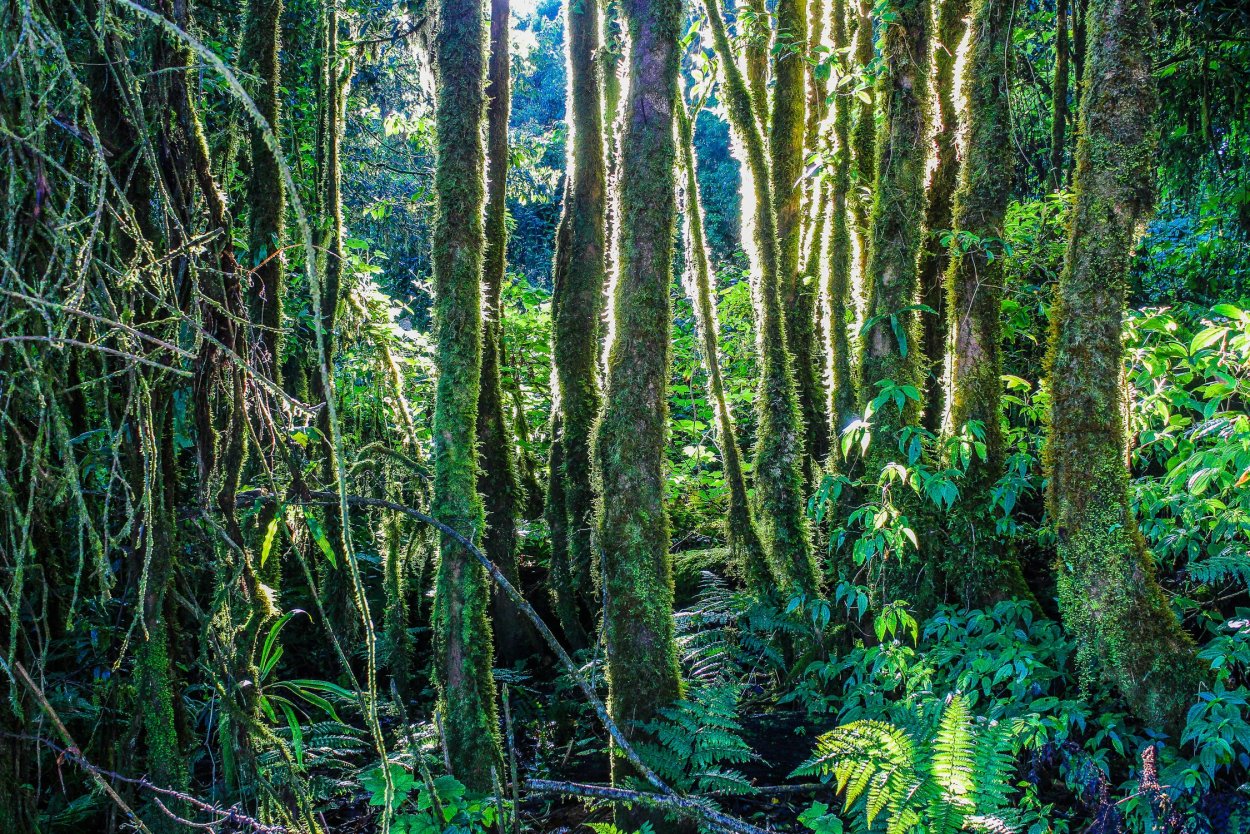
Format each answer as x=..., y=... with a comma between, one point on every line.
x=628, y=416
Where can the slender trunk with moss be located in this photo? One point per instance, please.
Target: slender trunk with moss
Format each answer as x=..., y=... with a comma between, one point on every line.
x=581, y=268
x=266, y=196
x=753, y=27
x=462, y=667
x=864, y=140
x=974, y=282
x=1059, y=113
x=778, y=479
x=1111, y=601
x=1080, y=9
x=838, y=290
x=787, y=133
x=497, y=478
x=642, y=668
x=745, y=548
x=934, y=257
x=889, y=350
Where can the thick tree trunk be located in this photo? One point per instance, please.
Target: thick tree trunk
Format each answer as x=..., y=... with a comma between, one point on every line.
x=1111, y=601
x=778, y=480
x=974, y=282
x=578, y=287
x=462, y=632
x=642, y=670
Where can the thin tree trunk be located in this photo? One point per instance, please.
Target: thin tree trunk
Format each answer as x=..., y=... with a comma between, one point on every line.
x=497, y=478
x=745, y=548
x=838, y=291
x=934, y=257
x=462, y=632
x=864, y=142
x=1108, y=593
x=642, y=670
x=778, y=480
x=1059, y=113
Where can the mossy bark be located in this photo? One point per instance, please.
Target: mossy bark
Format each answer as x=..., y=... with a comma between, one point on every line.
x=934, y=257
x=576, y=307
x=497, y=479
x=642, y=668
x=864, y=140
x=266, y=195
x=462, y=632
x=838, y=290
x=974, y=282
x=891, y=338
x=745, y=548
x=755, y=54
x=786, y=137
x=1111, y=601
x=778, y=480
x=1059, y=97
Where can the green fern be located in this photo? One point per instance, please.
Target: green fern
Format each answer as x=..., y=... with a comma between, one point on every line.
x=695, y=742
x=943, y=779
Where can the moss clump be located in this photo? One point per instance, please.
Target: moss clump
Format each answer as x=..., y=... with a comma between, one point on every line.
x=462, y=631
x=1110, y=599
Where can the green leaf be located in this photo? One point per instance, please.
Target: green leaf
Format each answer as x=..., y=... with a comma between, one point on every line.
x=319, y=535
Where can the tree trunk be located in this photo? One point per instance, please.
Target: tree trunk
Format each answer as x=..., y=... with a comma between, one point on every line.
x=1059, y=113
x=578, y=287
x=838, y=291
x=934, y=257
x=745, y=548
x=642, y=666
x=864, y=142
x=462, y=632
x=1111, y=601
x=497, y=478
x=778, y=480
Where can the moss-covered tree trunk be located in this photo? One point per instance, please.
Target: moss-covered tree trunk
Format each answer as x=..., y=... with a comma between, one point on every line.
x=1059, y=97
x=934, y=255
x=779, y=443
x=497, y=478
x=576, y=307
x=463, y=661
x=864, y=140
x=890, y=355
x=745, y=548
x=1111, y=601
x=985, y=574
x=266, y=196
x=787, y=133
x=838, y=290
x=629, y=442
x=753, y=27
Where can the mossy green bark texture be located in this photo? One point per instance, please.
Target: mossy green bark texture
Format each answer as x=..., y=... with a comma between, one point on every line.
x=934, y=256
x=746, y=551
x=1111, y=602
x=779, y=443
x=633, y=532
x=864, y=137
x=578, y=287
x=843, y=402
x=462, y=631
x=497, y=480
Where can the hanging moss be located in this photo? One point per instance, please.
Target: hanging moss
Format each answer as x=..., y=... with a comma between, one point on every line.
x=1110, y=599
x=462, y=631
x=746, y=551
x=778, y=481
x=580, y=264
x=934, y=256
x=633, y=532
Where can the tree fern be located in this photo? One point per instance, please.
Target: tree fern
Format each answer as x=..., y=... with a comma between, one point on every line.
x=954, y=776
